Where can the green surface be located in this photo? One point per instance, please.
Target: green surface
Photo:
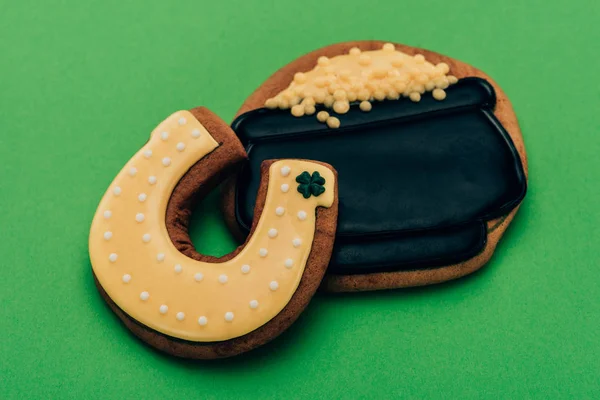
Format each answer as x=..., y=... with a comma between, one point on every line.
x=82, y=83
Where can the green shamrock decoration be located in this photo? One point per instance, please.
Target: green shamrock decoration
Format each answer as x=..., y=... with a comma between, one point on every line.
x=310, y=185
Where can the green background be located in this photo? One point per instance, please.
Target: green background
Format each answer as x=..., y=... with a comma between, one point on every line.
x=82, y=83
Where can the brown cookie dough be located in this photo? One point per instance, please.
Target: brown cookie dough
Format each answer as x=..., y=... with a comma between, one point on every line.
x=280, y=80
x=200, y=179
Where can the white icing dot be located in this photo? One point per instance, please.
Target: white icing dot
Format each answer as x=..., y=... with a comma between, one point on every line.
x=152, y=180
x=160, y=257
x=164, y=135
x=273, y=285
x=126, y=278
x=163, y=309
x=223, y=278
x=112, y=257
x=178, y=268
x=117, y=190
x=180, y=316
x=180, y=146
x=142, y=197
x=146, y=237
x=202, y=321
x=302, y=215
x=166, y=161
x=285, y=187
x=196, y=133
x=289, y=263
x=144, y=296
x=279, y=211
x=297, y=242
x=272, y=233
x=285, y=170
x=132, y=171
x=198, y=277
x=107, y=235
x=245, y=268
x=263, y=252
x=182, y=121
x=107, y=214
x=139, y=217
x=148, y=153
x=253, y=304
x=229, y=316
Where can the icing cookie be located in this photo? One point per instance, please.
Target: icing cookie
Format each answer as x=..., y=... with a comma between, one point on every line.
x=431, y=176
x=196, y=306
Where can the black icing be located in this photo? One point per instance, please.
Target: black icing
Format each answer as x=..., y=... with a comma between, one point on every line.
x=417, y=181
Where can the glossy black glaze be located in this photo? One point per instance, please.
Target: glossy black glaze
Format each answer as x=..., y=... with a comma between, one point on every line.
x=417, y=181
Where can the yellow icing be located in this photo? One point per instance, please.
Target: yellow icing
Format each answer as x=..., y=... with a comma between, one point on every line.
x=365, y=76
x=138, y=266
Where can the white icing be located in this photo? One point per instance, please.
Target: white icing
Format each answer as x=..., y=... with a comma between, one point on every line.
x=202, y=321
x=146, y=237
x=152, y=180
x=164, y=135
x=148, y=153
x=132, y=171
x=297, y=242
x=166, y=161
x=253, y=304
x=285, y=170
x=199, y=276
x=279, y=211
x=117, y=190
x=107, y=235
x=160, y=257
x=229, y=316
x=142, y=197
x=182, y=121
x=273, y=285
x=223, y=278
x=245, y=269
x=163, y=309
x=180, y=316
x=178, y=268
x=107, y=214
x=144, y=296
x=196, y=133
x=285, y=187
x=112, y=257
x=126, y=278
x=272, y=233
x=302, y=215
x=180, y=146
x=263, y=252
x=139, y=217
x=289, y=263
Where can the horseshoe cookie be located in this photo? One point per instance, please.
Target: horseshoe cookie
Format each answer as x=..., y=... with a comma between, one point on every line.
x=431, y=158
x=196, y=306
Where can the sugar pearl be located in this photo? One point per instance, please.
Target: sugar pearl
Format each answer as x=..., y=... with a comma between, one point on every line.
x=245, y=269
x=253, y=304
x=126, y=278
x=288, y=263
x=144, y=296
x=107, y=214
x=273, y=285
x=263, y=252
x=113, y=257
x=297, y=242
x=223, y=278
x=139, y=217
x=322, y=116
x=229, y=316
x=132, y=171
x=160, y=257
x=272, y=233
x=180, y=316
x=178, y=268
x=146, y=238
x=196, y=133
x=163, y=309
x=198, y=277
x=279, y=211
x=117, y=190
x=164, y=135
x=180, y=146
x=107, y=235
x=142, y=197
x=302, y=215
x=285, y=187
x=152, y=180
x=333, y=122
x=202, y=321
x=148, y=153
x=166, y=161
